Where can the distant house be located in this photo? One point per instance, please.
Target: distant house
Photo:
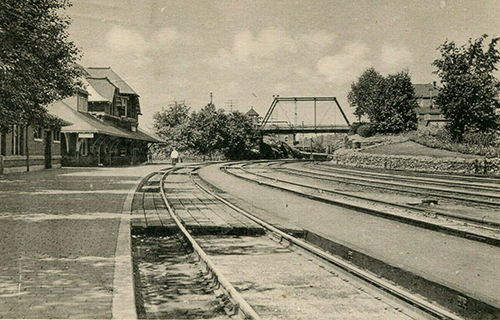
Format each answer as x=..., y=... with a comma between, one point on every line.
x=254, y=115
x=427, y=112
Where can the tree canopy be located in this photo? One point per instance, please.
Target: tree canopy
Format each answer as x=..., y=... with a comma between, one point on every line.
x=207, y=127
x=240, y=136
x=468, y=86
x=207, y=131
x=389, y=102
x=172, y=124
x=37, y=60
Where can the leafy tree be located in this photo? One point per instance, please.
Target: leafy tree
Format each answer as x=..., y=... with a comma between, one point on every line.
x=240, y=136
x=173, y=125
x=207, y=127
x=389, y=102
x=466, y=97
x=37, y=60
x=367, y=94
x=398, y=111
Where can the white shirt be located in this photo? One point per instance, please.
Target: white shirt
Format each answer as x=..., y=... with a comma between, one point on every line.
x=174, y=154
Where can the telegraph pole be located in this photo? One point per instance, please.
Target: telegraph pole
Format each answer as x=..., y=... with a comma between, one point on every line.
x=231, y=103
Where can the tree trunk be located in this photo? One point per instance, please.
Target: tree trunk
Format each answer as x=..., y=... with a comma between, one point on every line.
x=27, y=150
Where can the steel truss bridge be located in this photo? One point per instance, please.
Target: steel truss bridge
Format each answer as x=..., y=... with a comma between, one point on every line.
x=286, y=127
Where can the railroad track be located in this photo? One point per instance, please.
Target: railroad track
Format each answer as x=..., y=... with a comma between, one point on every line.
x=482, y=221
x=448, y=189
x=473, y=229
x=444, y=176
x=474, y=182
x=364, y=282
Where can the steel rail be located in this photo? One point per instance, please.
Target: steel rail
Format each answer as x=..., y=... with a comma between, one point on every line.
x=349, y=180
x=382, y=284
x=425, y=188
x=450, y=176
x=419, y=223
x=242, y=305
x=480, y=221
x=430, y=181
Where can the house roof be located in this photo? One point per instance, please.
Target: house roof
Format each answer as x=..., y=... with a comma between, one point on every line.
x=82, y=122
x=94, y=96
x=107, y=72
x=427, y=110
x=85, y=123
x=252, y=113
x=424, y=90
x=104, y=89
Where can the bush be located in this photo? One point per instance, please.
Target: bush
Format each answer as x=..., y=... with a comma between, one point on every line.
x=365, y=130
x=355, y=126
x=477, y=143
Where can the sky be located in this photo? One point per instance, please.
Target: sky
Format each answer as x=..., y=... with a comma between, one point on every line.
x=246, y=51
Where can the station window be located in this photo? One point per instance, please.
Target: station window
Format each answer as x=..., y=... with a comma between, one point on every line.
x=17, y=140
x=38, y=133
x=57, y=135
x=84, y=148
x=125, y=106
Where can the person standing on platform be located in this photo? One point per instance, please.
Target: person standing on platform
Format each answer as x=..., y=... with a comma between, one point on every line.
x=174, y=156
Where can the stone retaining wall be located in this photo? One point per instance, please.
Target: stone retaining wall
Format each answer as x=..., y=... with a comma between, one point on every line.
x=417, y=163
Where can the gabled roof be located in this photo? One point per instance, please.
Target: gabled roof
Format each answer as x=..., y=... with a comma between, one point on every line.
x=94, y=96
x=424, y=90
x=104, y=88
x=107, y=72
x=252, y=113
x=82, y=122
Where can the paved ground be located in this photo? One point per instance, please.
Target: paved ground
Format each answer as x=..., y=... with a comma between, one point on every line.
x=468, y=266
x=59, y=231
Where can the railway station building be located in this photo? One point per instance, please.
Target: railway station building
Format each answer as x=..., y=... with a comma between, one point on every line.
x=105, y=123
x=98, y=126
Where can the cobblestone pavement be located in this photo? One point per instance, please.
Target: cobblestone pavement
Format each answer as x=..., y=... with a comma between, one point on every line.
x=59, y=229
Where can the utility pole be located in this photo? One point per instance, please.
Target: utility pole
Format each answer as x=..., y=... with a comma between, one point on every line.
x=211, y=98
x=231, y=103
x=295, y=120
x=314, y=115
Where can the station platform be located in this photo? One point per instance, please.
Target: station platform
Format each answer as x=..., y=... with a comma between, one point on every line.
x=200, y=212
x=60, y=240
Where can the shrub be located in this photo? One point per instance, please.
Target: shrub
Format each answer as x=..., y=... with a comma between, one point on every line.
x=478, y=143
x=365, y=130
x=355, y=126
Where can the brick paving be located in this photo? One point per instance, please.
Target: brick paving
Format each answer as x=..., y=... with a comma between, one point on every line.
x=59, y=232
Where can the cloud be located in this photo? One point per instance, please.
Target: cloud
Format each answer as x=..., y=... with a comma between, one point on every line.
x=166, y=36
x=130, y=45
x=127, y=41
x=271, y=44
x=346, y=65
x=266, y=44
x=395, y=58
x=318, y=40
